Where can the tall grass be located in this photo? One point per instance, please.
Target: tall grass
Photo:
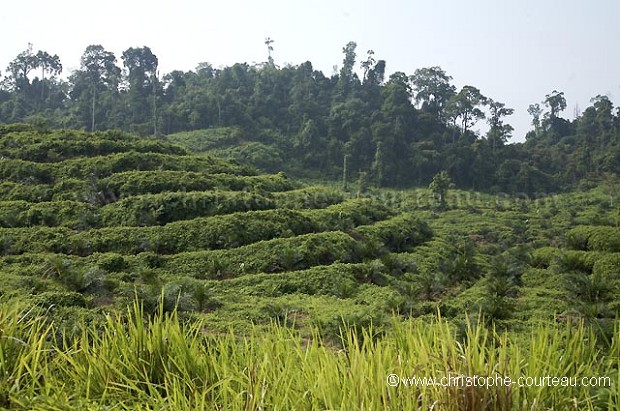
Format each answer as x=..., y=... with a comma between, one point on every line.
x=25, y=369
x=161, y=362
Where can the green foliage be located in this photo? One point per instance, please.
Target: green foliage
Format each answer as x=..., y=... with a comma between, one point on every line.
x=400, y=131
x=103, y=166
x=71, y=214
x=398, y=234
x=225, y=231
x=439, y=187
x=308, y=197
x=500, y=289
x=461, y=263
x=594, y=238
x=50, y=299
x=111, y=262
x=202, y=141
x=543, y=257
x=163, y=208
x=133, y=183
x=607, y=266
x=276, y=255
x=64, y=145
x=338, y=279
x=264, y=157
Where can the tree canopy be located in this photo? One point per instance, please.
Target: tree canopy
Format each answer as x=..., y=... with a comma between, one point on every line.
x=396, y=132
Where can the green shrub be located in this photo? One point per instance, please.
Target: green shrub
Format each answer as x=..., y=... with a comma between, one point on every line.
x=605, y=239
x=25, y=172
x=594, y=238
x=463, y=261
x=57, y=213
x=34, y=239
x=308, y=197
x=60, y=298
x=160, y=209
x=111, y=262
x=201, y=141
x=338, y=279
x=576, y=260
x=76, y=189
x=349, y=214
x=217, y=232
x=267, y=256
x=267, y=157
x=130, y=183
x=26, y=191
x=608, y=267
x=103, y=166
x=543, y=257
x=59, y=147
x=399, y=233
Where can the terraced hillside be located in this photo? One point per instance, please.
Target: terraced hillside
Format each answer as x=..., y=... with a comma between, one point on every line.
x=92, y=223
x=89, y=221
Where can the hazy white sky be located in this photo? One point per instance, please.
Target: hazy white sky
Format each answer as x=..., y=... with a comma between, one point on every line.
x=513, y=51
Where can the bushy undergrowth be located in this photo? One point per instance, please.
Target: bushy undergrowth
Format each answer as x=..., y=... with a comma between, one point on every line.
x=594, y=238
x=74, y=214
x=131, y=183
x=220, y=231
x=160, y=209
x=104, y=166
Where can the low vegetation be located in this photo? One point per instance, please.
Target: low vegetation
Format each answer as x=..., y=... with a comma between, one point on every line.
x=255, y=291
x=133, y=363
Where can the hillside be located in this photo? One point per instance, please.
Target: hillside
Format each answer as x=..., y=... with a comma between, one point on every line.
x=90, y=222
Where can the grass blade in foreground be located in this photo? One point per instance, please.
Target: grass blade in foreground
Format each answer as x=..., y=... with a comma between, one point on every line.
x=156, y=363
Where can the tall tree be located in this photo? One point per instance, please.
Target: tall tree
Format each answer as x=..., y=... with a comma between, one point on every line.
x=48, y=64
x=28, y=97
x=554, y=126
x=142, y=64
x=20, y=67
x=604, y=118
x=374, y=74
x=97, y=80
x=347, y=76
x=432, y=89
x=556, y=102
x=349, y=60
x=498, y=133
x=394, y=127
x=466, y=106
x=378, y=165
x=535, y=111
x=268, y=42
x=368, y=64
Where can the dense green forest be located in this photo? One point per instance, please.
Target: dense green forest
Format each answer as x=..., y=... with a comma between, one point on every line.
x=395, y=132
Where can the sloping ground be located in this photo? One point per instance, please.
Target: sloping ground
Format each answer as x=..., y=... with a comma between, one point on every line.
x=89, y=221
x=263, y=152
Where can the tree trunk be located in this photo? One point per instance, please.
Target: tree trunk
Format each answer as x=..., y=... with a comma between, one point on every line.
x=92, y=123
